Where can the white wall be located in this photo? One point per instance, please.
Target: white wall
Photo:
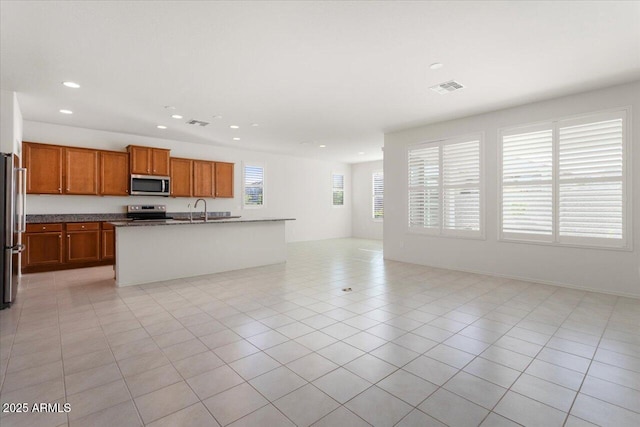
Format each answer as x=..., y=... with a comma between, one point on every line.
x=294, y=187
x=363, y=225
x=11, y=124
x=609, y=271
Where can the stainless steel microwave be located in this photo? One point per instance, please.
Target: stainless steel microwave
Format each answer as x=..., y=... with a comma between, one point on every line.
x=150, y=185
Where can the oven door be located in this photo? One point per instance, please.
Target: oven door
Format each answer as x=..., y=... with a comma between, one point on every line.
x=148, y=185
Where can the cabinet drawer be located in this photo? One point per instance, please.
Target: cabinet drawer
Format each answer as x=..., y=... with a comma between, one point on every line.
x=107, y=226
x=83, y=226
x=43, y=228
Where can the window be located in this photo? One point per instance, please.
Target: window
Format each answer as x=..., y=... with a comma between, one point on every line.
x=253, y=186
x=564, y=181
x=444, y=187
x=338, y=189
x=378, y=195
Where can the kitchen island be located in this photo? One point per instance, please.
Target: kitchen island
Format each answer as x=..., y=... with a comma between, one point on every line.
x=149, y=252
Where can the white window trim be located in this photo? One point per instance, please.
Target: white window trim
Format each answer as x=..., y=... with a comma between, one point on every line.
x=440, y=231
x=627, y=191
x=373, y=196
x=344, y=190
x=264, y=187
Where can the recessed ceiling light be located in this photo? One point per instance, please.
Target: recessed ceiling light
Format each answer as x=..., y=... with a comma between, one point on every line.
x=66, y=111
x=234, y=127
x=435, y=66
x=161, y=127
x=169, y=107
x=322, y=146
x=360, y=152
x=176, y=116
x=236, y=139
x=254, y=125
x=72, y=85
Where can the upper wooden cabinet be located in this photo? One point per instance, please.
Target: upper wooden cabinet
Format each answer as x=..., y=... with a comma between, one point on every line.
x=149, y=161
x=203, y=178
x=181, y=177
x=44, y=168
x=114, y=173
x=80, y=171
x=224, y=179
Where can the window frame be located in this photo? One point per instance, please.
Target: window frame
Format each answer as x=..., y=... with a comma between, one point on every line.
x=624, y=244
x=373, y=195
x=244, y=185
x=441, y=231
x=333, y=189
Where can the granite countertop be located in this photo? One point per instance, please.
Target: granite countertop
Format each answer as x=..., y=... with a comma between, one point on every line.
x=100, y=217
x=195, y=222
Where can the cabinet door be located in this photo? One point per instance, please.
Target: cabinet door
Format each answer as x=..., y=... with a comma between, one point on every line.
x=81, y=171
x=203, y=176
x=160, y=162
x=42, y=249
x=114, y=173
x=224, y=179
x=181, y=177
x=83, y=246
x=140, y=160
x=108, y=244
x=44, y=168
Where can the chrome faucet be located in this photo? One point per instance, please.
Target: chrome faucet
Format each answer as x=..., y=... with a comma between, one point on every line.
x=205, y=208
x=190, y=213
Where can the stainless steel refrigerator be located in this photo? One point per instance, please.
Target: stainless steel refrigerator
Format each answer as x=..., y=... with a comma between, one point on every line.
x=12, y=224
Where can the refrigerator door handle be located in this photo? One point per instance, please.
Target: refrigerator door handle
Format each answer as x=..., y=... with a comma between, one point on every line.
x=23, y=200
x=16, y=249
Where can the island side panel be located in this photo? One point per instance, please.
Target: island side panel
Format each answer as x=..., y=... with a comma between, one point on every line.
x=148, y=254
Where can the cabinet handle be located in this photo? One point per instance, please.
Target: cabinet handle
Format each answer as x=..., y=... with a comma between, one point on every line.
x=44, y=228
x=83, y=226
x=59, y=189
x=67, y=188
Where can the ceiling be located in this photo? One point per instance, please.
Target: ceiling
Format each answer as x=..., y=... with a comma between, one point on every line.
x=338, y=74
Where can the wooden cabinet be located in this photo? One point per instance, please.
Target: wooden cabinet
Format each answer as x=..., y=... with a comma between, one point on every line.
x=107, y=242
x=43, y=245
x=71, y=245
x=181, y=177
x=114, y=173
x=83, y=242
x=149, y=161
x=224, y=179
x=44, y=168
x=80, y=171
x=203, y=178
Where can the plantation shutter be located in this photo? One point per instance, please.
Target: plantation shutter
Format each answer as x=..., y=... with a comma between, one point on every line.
x=253, y=185
x=591, y=179
x=461, y=186
x=527, y=183
x=338, y=189
x=424, y=187
x=378, y=195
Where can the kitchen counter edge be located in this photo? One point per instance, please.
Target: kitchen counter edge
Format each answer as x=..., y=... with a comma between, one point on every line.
x=178, y=222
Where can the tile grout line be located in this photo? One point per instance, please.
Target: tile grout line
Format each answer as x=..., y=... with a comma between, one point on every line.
x=586, y=373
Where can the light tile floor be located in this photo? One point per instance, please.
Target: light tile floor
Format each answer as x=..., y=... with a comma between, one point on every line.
x=284, y=345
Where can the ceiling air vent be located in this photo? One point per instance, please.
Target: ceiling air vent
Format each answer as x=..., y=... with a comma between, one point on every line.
x=447, y=87
x=197, y=123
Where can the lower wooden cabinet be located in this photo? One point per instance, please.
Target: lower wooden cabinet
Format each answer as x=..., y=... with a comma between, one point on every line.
x=44, y=246
x=108, y=242
x=72, y=245
x=83, y=242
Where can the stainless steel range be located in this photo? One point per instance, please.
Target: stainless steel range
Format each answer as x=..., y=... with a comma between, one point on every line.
x=147, y=212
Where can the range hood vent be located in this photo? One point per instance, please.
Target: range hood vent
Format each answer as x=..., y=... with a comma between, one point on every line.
x=197, y=123
x=446, y=87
